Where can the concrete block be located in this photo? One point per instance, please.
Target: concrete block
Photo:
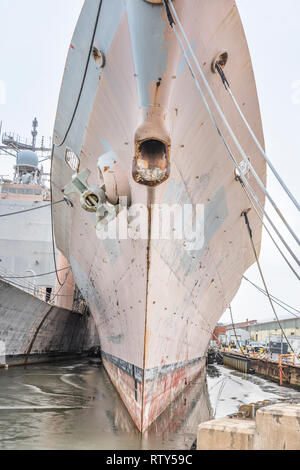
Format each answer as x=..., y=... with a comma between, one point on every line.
x=278, y=427
x=226, y=434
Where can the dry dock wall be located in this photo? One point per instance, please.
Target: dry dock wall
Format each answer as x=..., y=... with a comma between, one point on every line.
x=63, y=333
x=265, y=367
x=270, y=370
x=276, y=427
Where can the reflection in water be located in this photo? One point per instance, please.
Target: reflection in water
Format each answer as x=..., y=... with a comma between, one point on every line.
x=76, y=407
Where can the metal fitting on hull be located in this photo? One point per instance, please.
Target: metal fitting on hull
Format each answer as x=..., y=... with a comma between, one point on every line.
x=151, y=164
x=93, y=199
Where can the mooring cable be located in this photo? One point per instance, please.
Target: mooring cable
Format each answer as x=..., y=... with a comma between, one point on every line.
x=34, y=208
x=169, y=5
x=268, y=231
x=172, y=23
x=83, y=79
x=228, y=88
x=245, y=215
x=275, y=299
x=233, y=325
x=33, y=276
x=68, y=130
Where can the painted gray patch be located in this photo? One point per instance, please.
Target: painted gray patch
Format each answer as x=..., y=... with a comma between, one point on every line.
x=175, y=193
x=216, y=212
x=172, y=251
x=183, y=63
x=106, y=145
x=113, y=250
x=203, y=184
x=118, y=339
x=108, y=159
x=150, y=51
x=110, y=17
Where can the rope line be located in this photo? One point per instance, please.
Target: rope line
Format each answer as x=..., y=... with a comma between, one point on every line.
x=83, y=79
x=233, y=325
x=226, y=145
x=244, y=214
x=172, y=23
x=224, y=119
x=67, y=133
x=275, y=299
x=33, y=208
x=227, y=87
x=33, y=276
x=268, y=231
x=61, y=286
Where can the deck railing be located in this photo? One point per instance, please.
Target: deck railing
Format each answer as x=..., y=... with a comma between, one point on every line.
x=23, y=284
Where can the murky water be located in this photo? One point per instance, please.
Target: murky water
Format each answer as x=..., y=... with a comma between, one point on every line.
x=75, y=406
x=229, y=389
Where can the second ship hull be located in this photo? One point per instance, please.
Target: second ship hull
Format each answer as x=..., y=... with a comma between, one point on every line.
x=155, y=302
x=33, y=331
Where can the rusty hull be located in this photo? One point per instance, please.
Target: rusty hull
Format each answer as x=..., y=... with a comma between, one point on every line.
x=155, y=303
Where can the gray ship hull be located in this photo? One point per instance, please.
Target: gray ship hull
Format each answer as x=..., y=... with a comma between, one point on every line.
x=33, y=331
x=155, y=299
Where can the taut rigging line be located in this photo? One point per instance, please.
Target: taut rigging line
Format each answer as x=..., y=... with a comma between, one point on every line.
x=221, y=114
x=275, y=299
x=227, y=87
x=245, y=215
x=242, y=178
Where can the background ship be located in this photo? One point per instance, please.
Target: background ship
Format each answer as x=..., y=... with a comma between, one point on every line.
x=131, y=118
x=39, y=319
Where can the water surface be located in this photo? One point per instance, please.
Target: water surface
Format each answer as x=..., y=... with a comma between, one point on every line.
x=75, y=406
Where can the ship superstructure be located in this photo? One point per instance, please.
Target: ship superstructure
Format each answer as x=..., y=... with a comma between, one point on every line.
x=26, y=239
x=37, y=308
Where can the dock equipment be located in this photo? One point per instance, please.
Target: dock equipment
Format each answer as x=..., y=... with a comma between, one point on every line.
x=241, y=363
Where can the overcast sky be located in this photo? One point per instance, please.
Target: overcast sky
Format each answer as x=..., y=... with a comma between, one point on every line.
x=34, y=41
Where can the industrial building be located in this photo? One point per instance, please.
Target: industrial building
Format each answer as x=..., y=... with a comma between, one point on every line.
x=266, y=330
x=255, y=331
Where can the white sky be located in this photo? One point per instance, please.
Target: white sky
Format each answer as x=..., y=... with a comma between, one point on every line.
x=34, y=41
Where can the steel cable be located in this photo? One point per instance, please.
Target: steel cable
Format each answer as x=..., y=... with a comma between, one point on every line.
x=229, y=151
x=275, y=299
x=33, y=208
x=284, y=186
x=244, y=214
x=225, y=121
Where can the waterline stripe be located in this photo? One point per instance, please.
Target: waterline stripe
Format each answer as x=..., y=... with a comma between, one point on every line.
x=149, y=374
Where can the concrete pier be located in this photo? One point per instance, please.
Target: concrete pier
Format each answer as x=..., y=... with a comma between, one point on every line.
x=275, y=427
